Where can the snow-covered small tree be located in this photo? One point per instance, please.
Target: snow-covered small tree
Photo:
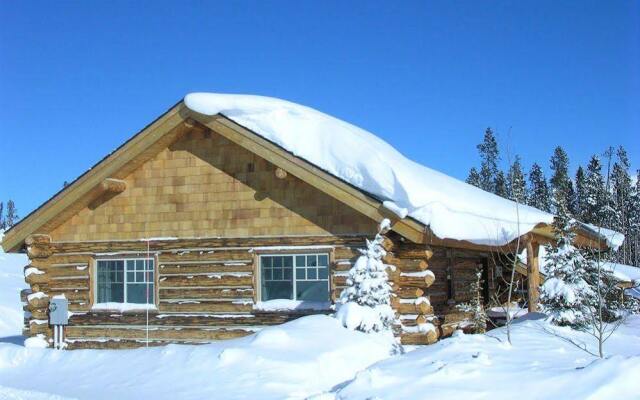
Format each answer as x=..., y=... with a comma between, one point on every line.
x=564, y=296
x=365, y=304
x=475, y=306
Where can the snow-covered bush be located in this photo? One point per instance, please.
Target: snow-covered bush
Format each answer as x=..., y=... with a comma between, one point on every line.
x=365, y=304
x=475, y=306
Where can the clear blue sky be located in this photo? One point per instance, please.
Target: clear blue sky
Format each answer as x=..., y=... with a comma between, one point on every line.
x=79, y=78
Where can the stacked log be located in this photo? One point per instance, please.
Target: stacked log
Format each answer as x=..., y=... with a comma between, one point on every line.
x=411, y=280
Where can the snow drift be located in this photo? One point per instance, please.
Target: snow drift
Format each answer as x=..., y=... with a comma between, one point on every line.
x=451, y=208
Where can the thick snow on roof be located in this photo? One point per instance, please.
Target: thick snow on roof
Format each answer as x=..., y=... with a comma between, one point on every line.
x=451, y=208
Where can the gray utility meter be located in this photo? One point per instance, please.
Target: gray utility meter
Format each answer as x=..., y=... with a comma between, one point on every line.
x=59, y=311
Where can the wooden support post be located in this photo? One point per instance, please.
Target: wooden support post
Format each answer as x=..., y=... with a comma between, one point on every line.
x=533, y=275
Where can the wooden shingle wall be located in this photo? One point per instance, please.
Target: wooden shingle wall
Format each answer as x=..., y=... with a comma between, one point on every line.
x=207, y=186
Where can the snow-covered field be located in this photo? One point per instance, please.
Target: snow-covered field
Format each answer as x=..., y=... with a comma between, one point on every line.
x=315, y=357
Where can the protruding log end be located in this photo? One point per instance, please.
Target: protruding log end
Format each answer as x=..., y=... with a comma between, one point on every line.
x=111, y=185
x=280, y=173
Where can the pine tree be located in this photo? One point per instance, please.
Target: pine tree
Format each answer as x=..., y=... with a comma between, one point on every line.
x=474, y=177
x=565, y=293
x=12, y=214
x=581, y=195
x=2, y=223
x=475, y=306
x=516, y=182
x=622, y=199
x=365, y=304
x=500, y=185
x=561, y=185
x=489, y=165
x=598, y=206
x=580, y=290
x=634, y=222
x=538, y=189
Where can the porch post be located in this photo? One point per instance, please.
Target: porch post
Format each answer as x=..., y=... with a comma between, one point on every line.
x=533, y=275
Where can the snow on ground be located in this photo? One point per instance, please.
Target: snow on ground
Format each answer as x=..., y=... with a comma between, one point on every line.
x=11, y=283
x=538, y=365
x=451, y=208
x=294, y=360
x=316, y=357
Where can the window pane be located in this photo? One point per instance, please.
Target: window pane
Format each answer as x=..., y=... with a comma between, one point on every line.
x=131, y=265
x=323, y=260
x=312, y=291
x=277, y=274
x=131, y=276
x=300, y=261
x=137, y=293
x=288, y=262
x=109, y=285
x=277, y=262
x=287, y=274
x=311, y=273
x=140, y=265
x=300, y=273
x=277, y=290
x=323, y=273
x=311, y=261
x=266, y=262
x=140, y=276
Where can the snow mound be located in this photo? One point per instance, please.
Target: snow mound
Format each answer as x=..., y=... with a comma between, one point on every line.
x=451, y=208
x=539, y=365
x=290, y=361
x=11, y=283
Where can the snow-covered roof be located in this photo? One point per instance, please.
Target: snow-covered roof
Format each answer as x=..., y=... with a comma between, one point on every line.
x=451, y=208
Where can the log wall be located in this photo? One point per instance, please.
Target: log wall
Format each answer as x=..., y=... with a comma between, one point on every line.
x=223, y=202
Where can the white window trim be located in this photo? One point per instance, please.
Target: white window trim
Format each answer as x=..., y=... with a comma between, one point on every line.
x=293, y=273
x=124, y=306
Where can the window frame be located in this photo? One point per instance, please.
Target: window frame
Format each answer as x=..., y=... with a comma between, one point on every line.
x=293, y=254
x=124, y=259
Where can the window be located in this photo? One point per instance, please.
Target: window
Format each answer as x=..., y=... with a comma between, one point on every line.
x=125, y=281
x=295, y=277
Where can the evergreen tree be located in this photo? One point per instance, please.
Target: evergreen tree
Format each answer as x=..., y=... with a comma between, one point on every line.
x=598, y=207
x=366, y=301
x=622, y=199
x=500, y=185
x=2, y=224
x=565, y=293
x=12, y=214
x=474, y=177
x=581, y=195
x=538, y=189
x=489, y=165
x=561, y=185
x=634, y=222
x=580, y=291
x=516, y=182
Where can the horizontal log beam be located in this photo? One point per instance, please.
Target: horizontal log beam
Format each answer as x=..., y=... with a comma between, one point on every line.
x=155, y=333
x=204, y=280
x=204, y=293
x=155, y=319
x=206, y=307
x=204, y=268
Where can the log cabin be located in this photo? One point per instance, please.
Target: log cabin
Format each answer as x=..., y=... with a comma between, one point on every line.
x=205, y=226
